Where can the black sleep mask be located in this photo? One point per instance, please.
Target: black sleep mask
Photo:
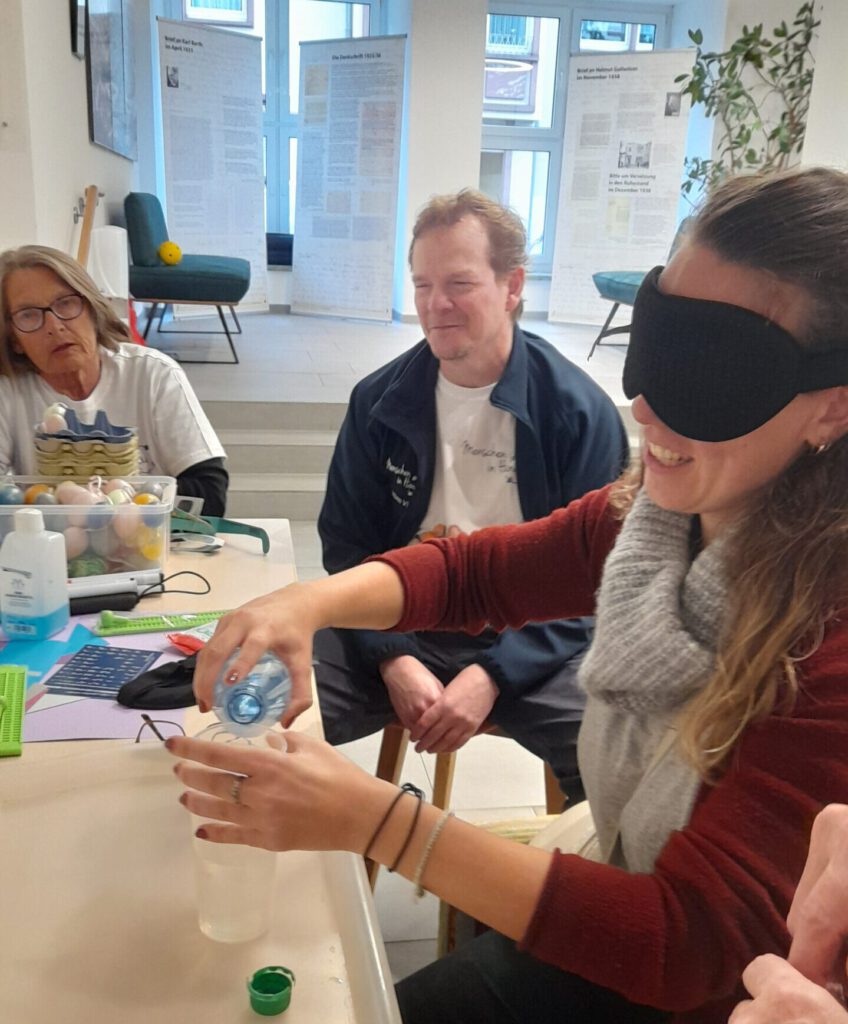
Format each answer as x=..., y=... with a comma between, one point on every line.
x=712, y=371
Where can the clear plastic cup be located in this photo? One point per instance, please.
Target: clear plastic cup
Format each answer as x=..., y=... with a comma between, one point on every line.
x=235, y=889
x=234, y=884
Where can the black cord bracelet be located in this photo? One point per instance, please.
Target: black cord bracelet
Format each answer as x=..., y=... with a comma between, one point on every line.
x=409, y=834
x=407, y=787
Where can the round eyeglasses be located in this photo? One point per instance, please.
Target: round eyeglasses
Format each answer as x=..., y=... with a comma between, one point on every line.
x=31, y=318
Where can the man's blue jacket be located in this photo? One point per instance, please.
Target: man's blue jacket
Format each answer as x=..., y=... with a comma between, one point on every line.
x=569, y=439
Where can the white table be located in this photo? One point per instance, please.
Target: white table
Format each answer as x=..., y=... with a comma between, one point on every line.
x=98, y=919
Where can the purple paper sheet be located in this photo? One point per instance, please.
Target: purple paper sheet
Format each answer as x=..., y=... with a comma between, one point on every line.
x=55, y=717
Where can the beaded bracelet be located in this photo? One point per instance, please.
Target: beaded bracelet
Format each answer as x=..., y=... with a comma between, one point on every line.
x=407, y=787
x=428, y=849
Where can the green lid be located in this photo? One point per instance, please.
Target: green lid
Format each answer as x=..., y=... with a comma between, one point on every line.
x=270, y=990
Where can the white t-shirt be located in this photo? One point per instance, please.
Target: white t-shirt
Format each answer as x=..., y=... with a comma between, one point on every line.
x=138, y=387
x=475, y=484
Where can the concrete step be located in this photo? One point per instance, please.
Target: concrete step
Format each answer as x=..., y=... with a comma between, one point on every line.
x=263, y=416
x=278, y=451
x=289, y=495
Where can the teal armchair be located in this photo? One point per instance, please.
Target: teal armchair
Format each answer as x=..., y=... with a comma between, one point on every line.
x=620, y=288
x=196, y=280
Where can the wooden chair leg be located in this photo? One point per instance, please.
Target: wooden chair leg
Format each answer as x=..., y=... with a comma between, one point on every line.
x=389, y=767
x=554, y=796
x=443, y=782
x=392, y=753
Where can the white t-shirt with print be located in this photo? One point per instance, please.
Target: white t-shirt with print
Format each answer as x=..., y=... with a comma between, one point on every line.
x=138, y=387
x=475, y=483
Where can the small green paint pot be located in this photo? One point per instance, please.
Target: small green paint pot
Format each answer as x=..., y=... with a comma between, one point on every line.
x=270, y=990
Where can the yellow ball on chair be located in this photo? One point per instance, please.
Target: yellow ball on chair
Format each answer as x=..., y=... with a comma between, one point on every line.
x=170, y=253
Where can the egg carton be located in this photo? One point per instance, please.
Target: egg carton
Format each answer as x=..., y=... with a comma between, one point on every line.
x=51, y=445
x=54, y=457
x=100, y=430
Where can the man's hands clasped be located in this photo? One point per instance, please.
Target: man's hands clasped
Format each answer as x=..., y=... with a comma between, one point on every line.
x=440, y=719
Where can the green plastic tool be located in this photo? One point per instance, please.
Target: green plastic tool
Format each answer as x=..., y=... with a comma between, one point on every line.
x=111, y=624
x=12, y=688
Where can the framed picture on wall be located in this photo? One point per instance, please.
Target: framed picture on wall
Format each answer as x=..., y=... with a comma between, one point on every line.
x=233, y=13
x=111, y=82
x=78, y=28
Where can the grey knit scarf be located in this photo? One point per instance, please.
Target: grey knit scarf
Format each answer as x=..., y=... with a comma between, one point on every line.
x=658, y=618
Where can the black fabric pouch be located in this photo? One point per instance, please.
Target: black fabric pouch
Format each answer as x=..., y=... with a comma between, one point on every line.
x=164, y=687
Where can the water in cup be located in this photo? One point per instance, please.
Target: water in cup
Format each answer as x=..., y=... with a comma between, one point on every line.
x=235, y=889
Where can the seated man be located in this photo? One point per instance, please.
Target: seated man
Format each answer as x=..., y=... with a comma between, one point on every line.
x=479, y=424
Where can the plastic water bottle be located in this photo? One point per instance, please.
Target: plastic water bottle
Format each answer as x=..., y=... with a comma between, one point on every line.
x=252, y=705
x=34, y=585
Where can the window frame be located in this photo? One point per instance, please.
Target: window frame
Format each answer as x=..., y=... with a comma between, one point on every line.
x=279, y=125
x=551, y=140
x=537, y=140
x=659, y=15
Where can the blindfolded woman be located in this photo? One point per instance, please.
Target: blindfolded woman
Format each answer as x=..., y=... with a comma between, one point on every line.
x=717, y=716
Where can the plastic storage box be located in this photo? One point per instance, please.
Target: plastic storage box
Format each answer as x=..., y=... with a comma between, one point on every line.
x=106, y=538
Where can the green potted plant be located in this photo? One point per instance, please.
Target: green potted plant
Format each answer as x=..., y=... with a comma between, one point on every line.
x=759, y=92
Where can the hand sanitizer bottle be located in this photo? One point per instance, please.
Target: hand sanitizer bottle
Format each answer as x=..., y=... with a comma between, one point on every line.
x=33, y=579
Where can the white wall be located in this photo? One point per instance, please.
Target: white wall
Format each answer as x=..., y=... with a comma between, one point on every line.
x=446, y=43
x=63, y=160
x=17, y=224
x=826, y=141
x=710, y=16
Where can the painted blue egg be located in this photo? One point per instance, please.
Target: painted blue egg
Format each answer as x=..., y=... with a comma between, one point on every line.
x=11, y=494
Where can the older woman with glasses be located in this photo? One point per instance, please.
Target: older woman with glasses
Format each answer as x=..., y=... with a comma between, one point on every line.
x=61, y=342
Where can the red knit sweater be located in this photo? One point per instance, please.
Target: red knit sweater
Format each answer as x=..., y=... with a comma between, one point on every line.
x=679, y=938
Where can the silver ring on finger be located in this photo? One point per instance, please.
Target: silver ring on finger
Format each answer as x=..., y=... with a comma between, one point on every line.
x=235, y=789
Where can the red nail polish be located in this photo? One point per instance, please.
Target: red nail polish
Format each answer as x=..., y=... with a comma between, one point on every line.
x=183, y=799
x=201, y=833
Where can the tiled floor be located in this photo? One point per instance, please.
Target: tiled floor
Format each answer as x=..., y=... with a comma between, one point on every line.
x=318, y=359
x=306, y=359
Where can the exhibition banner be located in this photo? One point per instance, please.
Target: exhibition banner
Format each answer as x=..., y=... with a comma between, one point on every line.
x=625, y=140
x=211, y=86
x=351, y=107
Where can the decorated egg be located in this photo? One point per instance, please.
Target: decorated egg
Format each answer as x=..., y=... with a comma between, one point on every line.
x=152, y=549
x=54, y=423
x=105, y=543
x=31, y=493
x=68, y=493
x=11, y=494
x=145, y=498
x=76, y=541
x=118, y=485
x=43, y=497
x=89, y=566
x=127, y=521
x=56, y=409
x=118, y=497
x=152, y=487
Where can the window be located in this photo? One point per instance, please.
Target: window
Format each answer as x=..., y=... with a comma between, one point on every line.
x=524, y=95
x=230, y=13
x=523, y=109
x=289, y=23
x=616, y=36
x=595, y=30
